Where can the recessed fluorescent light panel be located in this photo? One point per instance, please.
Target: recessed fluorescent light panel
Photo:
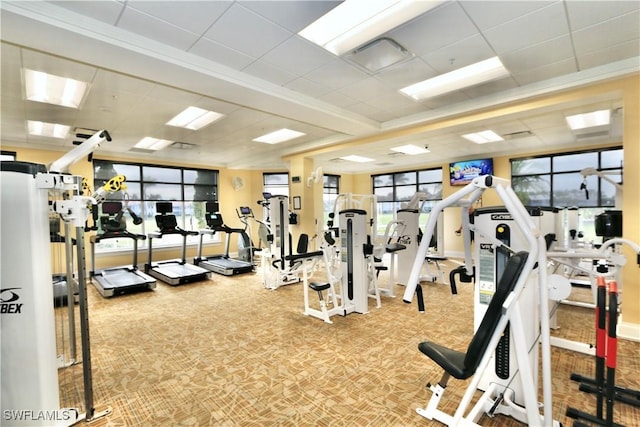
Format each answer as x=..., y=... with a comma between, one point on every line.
x=588, y=120
x=279, y=136
x=471, y=75
x=483, y=137
x=149, y=143
x=355, y=22
x=52, y=130
x=43, y=87
x=358, y=159
x=194, y=118
x=410, y=149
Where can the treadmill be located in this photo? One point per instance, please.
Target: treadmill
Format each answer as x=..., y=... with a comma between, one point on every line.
x=221, y=264
x=118, y=280
x=177, y=271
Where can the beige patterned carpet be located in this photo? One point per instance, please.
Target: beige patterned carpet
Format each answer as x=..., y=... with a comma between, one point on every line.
x=227, y=352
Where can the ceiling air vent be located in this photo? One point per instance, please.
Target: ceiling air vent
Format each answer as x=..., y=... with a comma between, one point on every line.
x=182, y=145
x=337, y=160
x=379, y=54
x=396, y=154
x=517, y=135
x=384, y=164
x=598, y=134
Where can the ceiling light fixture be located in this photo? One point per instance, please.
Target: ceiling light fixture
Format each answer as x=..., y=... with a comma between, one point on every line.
x=411, y=149
x=194, y=118
x=471, y=75
x=357, y=159
x=279, y=136
x=43, y=87
x=52, y=130
x=588, y=120
x=483, y=137
x=355, y=22
x=149, y=143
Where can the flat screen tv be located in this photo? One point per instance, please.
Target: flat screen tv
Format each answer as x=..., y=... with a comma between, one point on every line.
x=462, y=173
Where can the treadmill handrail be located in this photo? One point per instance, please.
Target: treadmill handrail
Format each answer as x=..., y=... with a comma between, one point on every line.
x=96, y=238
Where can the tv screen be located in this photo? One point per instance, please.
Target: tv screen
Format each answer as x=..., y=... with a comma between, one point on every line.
x=462, y=173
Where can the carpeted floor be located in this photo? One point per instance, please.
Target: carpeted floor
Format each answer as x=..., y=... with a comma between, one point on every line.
x=227, y=352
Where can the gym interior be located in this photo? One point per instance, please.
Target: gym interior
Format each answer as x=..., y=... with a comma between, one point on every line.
x=363, y=230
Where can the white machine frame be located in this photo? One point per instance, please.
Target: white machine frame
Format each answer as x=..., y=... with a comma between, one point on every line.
x=492, y=401
x=29, y=377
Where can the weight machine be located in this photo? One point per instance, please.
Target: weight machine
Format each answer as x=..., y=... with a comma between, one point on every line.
x=29, y=377
x=350, y=271
x=522, y=276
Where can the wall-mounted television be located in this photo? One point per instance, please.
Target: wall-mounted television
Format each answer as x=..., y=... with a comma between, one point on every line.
x=462, y=173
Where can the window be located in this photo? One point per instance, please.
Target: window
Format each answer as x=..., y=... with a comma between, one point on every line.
x=330, y=191
x=187, y=189
x=276, y=183
x=394, y=189
x=557, y=181
x=7, y=155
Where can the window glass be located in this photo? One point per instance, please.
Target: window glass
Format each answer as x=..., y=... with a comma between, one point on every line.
x=276, y=179
x=158, y=174
x=566, y=191
x=611, y=159
x=384, y=194
x=382, y=180
x=404, y=193
x=206, y=177
x=432, y=191
x=530, y=166
x=404, y=178
x=572, y=162
x=533, y=190
x=432, y=175
x=168, y=192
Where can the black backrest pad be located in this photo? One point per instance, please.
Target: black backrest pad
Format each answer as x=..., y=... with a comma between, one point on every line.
x=478, y=345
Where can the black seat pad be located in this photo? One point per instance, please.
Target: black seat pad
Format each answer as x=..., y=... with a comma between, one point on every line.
x=450, y=360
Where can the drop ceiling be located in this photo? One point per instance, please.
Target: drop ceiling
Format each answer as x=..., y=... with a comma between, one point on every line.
x=146, y=61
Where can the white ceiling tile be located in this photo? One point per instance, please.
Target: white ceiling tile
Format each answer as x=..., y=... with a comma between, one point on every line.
x=534, y=56
x=490, y=88
x=156, y=29
x=292, y=15
x=105, y=11
x=308, y=87
x=269, y=72
x=298, y=55
x=488, y=14
x=444, y=25
x=608, y=33
x=119, y=83
x=587, y=13
x=338, y=99
x=533, y=28
x=611, y=54
x=546, y=72
x=221, y=54
x=467, y=51
x=192, y=16
x=258, y=34
x=336, y=74
x=406, y=74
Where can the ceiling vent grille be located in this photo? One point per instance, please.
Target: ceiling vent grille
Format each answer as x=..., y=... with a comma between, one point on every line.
x=517, y=135
x=182, y=145
x=141, y=150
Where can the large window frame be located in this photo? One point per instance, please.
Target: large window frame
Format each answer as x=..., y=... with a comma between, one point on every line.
x=394, y=189
x=555, y=180
x=187, y=188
